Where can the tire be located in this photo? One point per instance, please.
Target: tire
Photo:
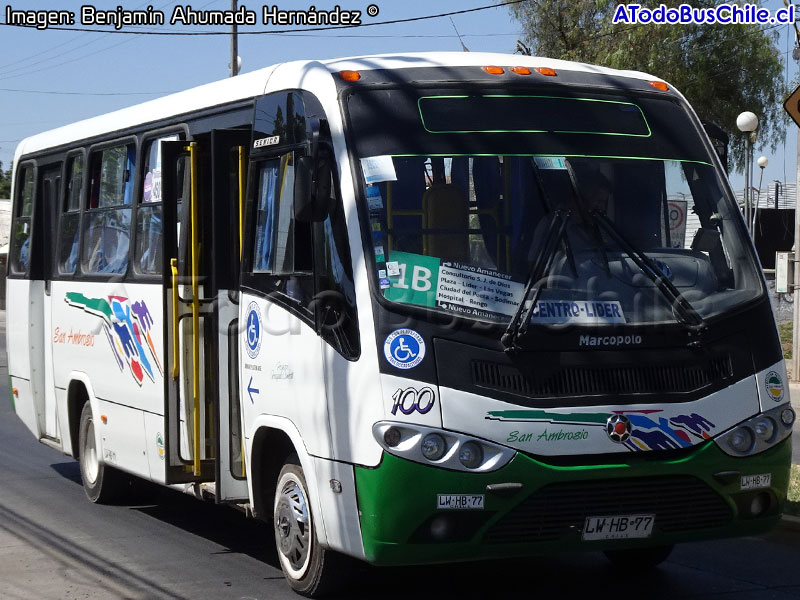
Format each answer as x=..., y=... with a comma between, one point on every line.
x=101, y=483
x=639, y=558
x=310, y=569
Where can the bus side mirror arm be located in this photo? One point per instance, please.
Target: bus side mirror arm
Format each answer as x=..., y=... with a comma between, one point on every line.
x=312, y=178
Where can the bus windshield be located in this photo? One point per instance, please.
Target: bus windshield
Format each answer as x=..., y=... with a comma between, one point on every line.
x=609, y=202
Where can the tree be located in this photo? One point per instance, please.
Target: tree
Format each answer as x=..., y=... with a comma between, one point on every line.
x=5, y=182
x=721, y=69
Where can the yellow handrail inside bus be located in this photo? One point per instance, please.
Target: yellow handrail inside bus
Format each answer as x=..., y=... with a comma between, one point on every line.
x=241, y=199
x=176, y=356
x=193, y=161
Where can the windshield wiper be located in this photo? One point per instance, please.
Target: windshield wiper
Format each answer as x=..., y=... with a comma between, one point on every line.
x=584, y=212
x=534, y=283
x=683, y=310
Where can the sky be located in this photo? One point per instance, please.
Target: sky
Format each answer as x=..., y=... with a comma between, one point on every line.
x=50, y=77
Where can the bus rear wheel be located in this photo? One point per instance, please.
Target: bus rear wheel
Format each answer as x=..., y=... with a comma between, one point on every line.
x=101, y=483
x=310, y=569
x=639, y=558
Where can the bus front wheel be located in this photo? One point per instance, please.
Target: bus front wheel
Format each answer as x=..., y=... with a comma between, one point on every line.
x=310, y=569
x=100, y=482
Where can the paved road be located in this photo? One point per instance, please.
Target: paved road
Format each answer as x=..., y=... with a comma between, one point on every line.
x=55, y=544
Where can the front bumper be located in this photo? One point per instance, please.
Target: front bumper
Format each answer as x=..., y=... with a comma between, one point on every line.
x=695, y=497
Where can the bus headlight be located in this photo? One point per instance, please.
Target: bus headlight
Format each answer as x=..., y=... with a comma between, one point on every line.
x=758, y=433
x=433, y=446
x=470, y=455
x=741, y=440
x=440, y=448
x=765, y=429
x=392, y=436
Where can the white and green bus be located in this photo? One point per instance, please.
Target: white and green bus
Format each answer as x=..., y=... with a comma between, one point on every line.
x=410, y=309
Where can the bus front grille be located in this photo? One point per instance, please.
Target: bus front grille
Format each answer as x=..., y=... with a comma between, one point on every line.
x=605, y=379
x=679, y=503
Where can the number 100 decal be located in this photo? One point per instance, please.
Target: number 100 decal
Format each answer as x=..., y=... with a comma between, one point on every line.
x=411, y=400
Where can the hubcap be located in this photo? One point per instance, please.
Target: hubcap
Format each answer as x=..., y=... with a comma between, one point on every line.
x=293, y=527
x=90, y=463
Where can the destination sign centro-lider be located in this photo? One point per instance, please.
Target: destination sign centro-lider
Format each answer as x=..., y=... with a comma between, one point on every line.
x=577, y=311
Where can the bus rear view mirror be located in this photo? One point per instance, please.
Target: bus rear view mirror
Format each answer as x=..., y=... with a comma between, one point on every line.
x=312, y=188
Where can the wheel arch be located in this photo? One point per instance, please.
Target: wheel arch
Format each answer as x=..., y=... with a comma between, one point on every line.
x=79, y=392
x=272, y=441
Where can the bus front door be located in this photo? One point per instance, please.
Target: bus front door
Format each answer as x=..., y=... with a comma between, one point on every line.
x=188, y=399
x=48, y=192
x=228, y=177
x=201, y=238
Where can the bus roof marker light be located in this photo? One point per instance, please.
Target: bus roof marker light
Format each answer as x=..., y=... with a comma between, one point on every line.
x=546, y=71
x=659, y=85
x=493, y=70
x=521, y=70
x=347, y=75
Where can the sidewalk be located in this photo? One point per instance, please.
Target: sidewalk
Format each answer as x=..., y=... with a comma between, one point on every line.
x=794, y=395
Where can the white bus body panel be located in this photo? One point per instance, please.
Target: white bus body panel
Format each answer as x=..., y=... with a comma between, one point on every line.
x=354, y=389
x=579, y=430
x=283, y=373
x=51, y=421
x=122, y=351
x=25, y=362
x=109, y=336
x=770, y=392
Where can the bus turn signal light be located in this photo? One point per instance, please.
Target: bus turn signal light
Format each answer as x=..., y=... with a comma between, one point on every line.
x=659, y=85
x=493, y=70
x=546, y=71
x=104, y=419
x=521, y=70
x=15, y=391
x=350, y=75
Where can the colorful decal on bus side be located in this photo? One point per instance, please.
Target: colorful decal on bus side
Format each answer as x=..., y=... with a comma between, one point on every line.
x=127, y=327
x=637, y=430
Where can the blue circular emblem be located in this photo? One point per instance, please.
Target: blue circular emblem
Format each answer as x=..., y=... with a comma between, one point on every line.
x=253, y=330
x=404, y=348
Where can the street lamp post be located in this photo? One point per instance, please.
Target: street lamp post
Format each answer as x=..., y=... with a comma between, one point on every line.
x=747, y=122
x=762, y=163
x=236, y=63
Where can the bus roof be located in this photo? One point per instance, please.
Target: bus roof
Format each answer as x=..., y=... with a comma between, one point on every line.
x=465, y=59
x=254, y=84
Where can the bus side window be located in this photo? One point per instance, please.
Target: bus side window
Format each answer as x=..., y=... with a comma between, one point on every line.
x=282, y=245
x=20, y=259
x=335, y=298
x=70, y=217
x=107, y=231
x=147, y=253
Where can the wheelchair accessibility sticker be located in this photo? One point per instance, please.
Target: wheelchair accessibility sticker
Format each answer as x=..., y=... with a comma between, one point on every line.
x=253, y=330
x=404, y=348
